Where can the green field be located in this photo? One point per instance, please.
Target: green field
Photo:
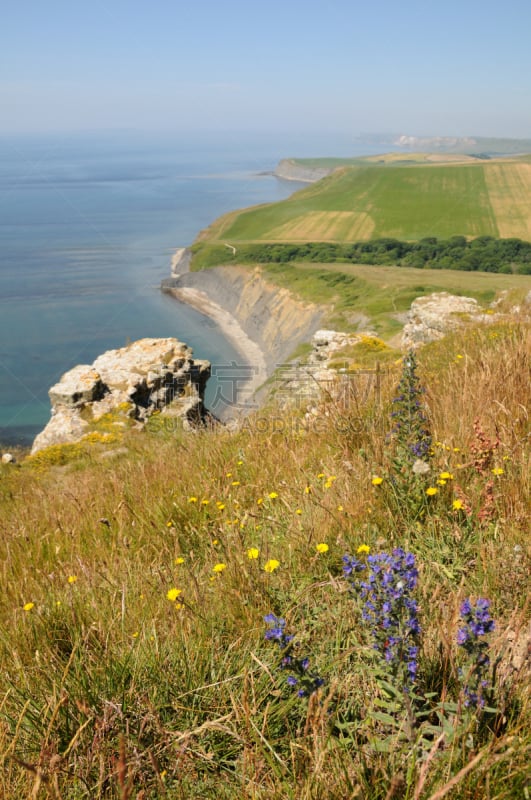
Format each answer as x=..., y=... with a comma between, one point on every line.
x=407, y=202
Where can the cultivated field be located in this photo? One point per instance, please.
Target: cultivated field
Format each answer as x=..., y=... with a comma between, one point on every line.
x=404, y=201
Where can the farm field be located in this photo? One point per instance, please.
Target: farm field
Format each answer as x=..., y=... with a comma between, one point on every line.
x=407, y=202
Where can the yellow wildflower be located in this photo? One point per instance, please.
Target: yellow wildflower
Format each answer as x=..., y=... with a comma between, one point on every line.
x=273, y=495
x=298, y=511
x=72, y=578
x=179, y=560
x=431, y=490
x=376, y=480
x=29, y=606
x=134, y=635
x=340, y=508
x=173, y=594
x=440, y=482
x=260, y=501
x=457, y=505
x=219, y=567
x=321, y=475
x=322, y=547
x=235, y=483
x=271, y=565
x=307, y=490
x=497, y=471
x=363, y=549
x=446, y=476
x=192, y=499
x=220, y=505
x=169, y=524
x=205, y=502
x=253, y=552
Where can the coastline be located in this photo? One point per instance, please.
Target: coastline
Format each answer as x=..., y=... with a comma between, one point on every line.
x=253, y=358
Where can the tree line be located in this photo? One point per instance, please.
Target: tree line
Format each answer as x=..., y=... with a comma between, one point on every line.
x=484, y=254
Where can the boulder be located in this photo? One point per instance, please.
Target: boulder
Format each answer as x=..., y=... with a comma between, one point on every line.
x=145, y=376
x=432, y=317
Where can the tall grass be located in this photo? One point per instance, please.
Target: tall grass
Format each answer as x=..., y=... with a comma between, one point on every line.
x=114, y=686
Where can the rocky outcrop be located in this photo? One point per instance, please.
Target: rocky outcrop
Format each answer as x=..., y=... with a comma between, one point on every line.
x=146, y=376
x=432, y=317
x=289, y=169
x=271, y=317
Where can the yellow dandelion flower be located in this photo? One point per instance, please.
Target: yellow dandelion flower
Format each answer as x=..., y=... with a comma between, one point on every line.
x=307, y=490
x=497, y=471
x=459, y=356
x=322, y=547
x=271, y=565
x=457, y=449
x=205, y=502
x=215, y=541
x=363, y=549
x=135, y=635
x=28, y=606
x=260, y=501
x=440, y=482
x=376, y=480
x=240, y=462
x=228, y=475
x=169, y=524
x=192, y=499
x=457, y=505
x=273, y=495
x=179, y=560
x=321, y=475
x=340, y=508
x=253, y=552
x=446, y=476
x=332, y=478
x=72, y=578
x=173, y=594
x=431, y=491
x=221, y=506
x=219, y=567
x=235, y=483
x=298, y=511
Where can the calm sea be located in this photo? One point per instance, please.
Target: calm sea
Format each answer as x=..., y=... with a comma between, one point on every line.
x=88, y=225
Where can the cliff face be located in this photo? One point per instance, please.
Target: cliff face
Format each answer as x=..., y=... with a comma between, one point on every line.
x=271, y=317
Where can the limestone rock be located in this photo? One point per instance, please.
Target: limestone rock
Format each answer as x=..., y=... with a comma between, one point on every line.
x=432, y=317
x=8, y=458
x=146, y=376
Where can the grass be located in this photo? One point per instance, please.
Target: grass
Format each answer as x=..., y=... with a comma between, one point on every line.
x=113, y=686
x=407, y=201
x=372, y=296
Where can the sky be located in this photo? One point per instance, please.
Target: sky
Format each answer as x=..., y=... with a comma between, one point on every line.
x=333, y=66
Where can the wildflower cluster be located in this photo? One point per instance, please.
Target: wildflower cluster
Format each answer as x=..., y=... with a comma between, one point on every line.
x=298, y=668
x=410, y=431
x=477, y=623
x=390, y=609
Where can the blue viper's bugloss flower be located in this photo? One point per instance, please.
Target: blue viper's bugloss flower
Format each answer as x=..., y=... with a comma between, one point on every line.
x=298, y=668
x=390, y=609
x=477, y=624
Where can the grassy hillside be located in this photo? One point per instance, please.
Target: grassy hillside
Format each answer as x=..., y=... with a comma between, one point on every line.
x=135, y=662
x=409, y=202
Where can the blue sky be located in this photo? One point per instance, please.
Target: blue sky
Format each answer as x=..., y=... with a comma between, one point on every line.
x=452, y=68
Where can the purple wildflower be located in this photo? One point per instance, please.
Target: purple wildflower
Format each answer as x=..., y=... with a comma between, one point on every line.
x=477, y=624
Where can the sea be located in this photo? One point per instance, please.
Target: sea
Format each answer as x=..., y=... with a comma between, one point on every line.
x=88, y=227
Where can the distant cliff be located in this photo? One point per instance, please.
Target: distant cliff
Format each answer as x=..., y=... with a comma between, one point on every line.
x=291, y=170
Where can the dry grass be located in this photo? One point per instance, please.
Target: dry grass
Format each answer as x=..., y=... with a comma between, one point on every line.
x=509, y=188
x=109, y=689
x=324, y=226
